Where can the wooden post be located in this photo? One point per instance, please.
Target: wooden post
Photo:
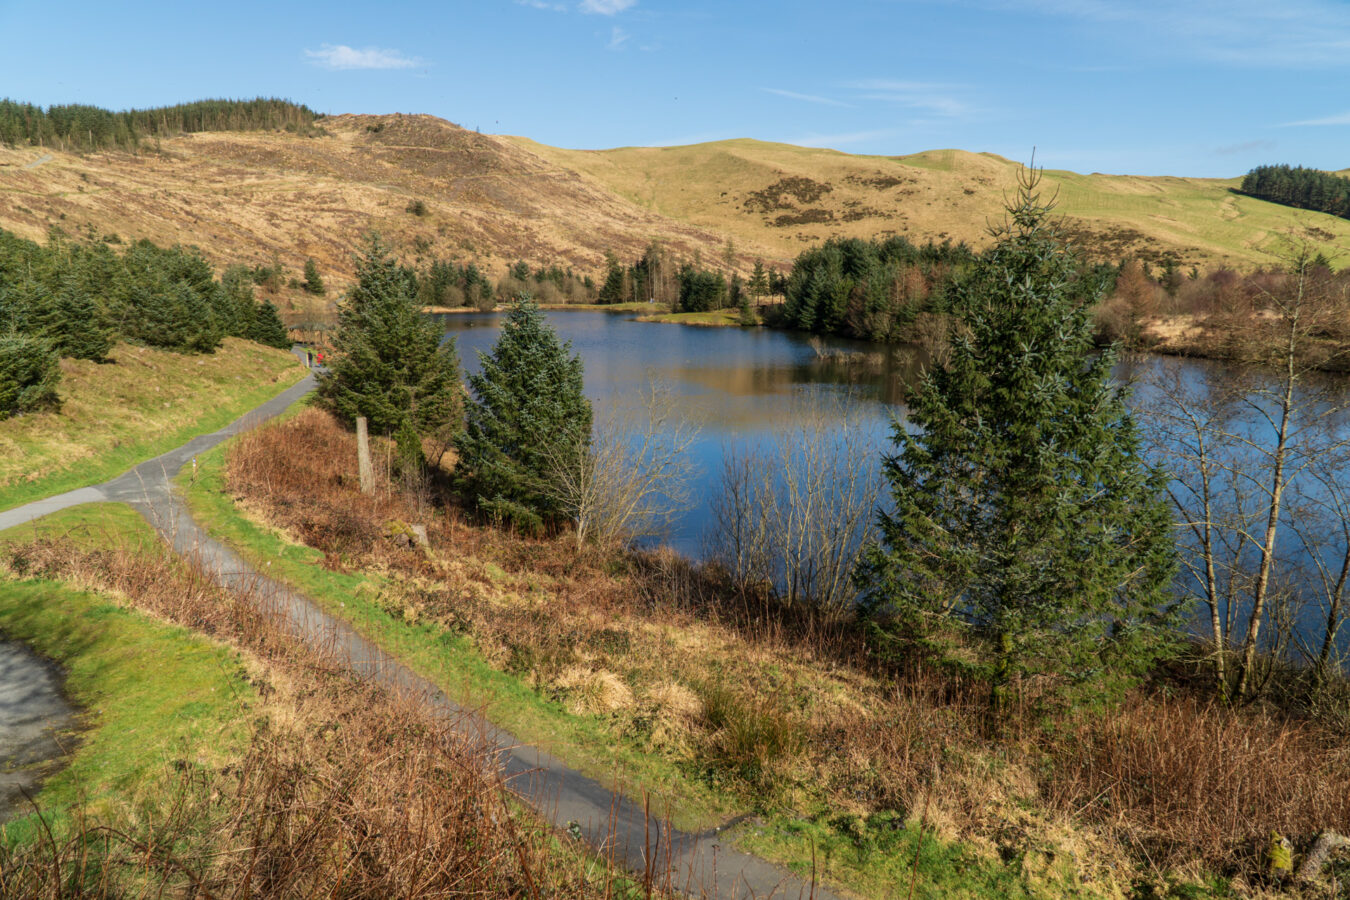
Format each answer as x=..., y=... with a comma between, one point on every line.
x=363, y=457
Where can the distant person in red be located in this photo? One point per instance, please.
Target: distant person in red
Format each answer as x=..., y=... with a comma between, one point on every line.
x=320, y=357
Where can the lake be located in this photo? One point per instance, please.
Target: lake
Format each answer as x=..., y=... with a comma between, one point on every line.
x=743, y=386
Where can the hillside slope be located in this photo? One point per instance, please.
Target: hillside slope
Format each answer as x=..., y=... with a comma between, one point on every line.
x=256, y=196
x=249, y=195
x=789, y=197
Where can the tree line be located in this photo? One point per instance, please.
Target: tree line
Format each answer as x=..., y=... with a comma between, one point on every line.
x=68, y=298
x=80, y=127
x=1299, y=187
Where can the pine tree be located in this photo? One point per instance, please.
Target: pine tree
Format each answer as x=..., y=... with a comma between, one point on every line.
x=527, y=415
x=313, y=282
x=390, y=363
x=267, y=328
x=1025, y=516
x=759, y=281
x=80, y=332
x=29, y=373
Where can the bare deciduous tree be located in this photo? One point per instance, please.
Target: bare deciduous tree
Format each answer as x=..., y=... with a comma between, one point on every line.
x=634, y=476
x=796, y=511
x=1239, y=451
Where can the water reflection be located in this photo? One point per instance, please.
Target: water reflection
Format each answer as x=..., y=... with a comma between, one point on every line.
x=742, y=386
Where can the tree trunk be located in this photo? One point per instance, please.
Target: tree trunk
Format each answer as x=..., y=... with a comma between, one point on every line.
x=1277, y=485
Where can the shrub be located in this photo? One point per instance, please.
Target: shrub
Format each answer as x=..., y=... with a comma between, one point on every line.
x=29, y=373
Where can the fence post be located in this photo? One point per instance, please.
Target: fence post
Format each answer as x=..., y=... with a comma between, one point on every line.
x=363, y=457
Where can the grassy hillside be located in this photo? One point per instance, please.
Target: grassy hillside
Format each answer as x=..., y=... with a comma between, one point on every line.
x=142, y=403
x=263, y=196
x=250, y=196
x=789, y=197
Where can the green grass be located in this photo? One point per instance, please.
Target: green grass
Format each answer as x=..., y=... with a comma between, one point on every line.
x=714, y=317
x=875, y=857
x=119, y=414
x=150, y=694
x=451, y=661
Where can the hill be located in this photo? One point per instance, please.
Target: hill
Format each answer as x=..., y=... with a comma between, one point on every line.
x=438, y=190
x=789, y=197
x=251, y=196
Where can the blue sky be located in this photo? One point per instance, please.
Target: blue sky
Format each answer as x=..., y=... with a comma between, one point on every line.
x=1147, y=87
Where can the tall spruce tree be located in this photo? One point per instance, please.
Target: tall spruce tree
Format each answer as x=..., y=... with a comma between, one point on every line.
x=527, y=415
x=390, y=363
x=1025, y=515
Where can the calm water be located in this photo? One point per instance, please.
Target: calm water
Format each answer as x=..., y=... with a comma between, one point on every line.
x=737, y=384
x=741, y=386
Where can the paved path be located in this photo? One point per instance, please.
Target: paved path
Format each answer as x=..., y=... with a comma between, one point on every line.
x=612, y=824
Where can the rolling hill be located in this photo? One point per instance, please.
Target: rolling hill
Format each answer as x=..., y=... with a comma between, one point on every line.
x=259, y=196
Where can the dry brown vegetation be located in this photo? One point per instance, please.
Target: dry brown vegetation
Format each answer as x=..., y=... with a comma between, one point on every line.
x=254, y=197
x=259, y=197
x=790, y=712
x=1224, y=314
x=346, y=790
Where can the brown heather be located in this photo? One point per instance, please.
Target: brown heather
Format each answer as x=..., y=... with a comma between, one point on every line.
x=789, y=711
x=345, y=790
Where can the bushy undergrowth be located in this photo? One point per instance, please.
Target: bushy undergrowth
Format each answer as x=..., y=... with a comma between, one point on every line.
x=794, y=713
x=345, y=790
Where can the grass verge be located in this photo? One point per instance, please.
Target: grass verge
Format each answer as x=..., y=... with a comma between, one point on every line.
x=450, y=660
x=143, y=403
x=138, y=719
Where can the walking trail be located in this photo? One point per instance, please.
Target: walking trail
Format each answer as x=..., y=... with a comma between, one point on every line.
x=613, y=825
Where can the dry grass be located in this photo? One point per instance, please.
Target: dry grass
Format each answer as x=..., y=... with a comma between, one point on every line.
x=793, y=712
x=492, y=200
x=346, y=790
x=252, y=196
x=142, y=398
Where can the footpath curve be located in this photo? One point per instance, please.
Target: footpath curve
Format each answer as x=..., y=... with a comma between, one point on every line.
x=613, y=825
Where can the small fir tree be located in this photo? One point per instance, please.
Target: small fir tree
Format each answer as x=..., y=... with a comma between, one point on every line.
x=1024, y=511
x=612, y=291
x=313, y=282
x=390, y=363
x=267, y=328
x=527, y=415
x=29, y=373
x=759, y=281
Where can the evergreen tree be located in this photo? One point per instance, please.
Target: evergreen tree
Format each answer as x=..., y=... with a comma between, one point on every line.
x=267, y=328
x=613, y=289
x=313, y=282
x=77, y=330
x=1025, y=515
x=390, y=363
x=759, y=281
x=527, y=416
x=29, y=373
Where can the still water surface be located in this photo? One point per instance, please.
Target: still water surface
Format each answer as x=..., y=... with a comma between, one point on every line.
x=738, y=385
x=743, y=385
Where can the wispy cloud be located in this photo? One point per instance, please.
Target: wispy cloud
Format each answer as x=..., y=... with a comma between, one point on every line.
x=340, y=56
x=1337, y=119
x=931, y=97
x=806, y=98
x=543, y=4
x=1244, y=147
x=1289, y=34
x=617, y=38
x=605, y=7
x=840, y=140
